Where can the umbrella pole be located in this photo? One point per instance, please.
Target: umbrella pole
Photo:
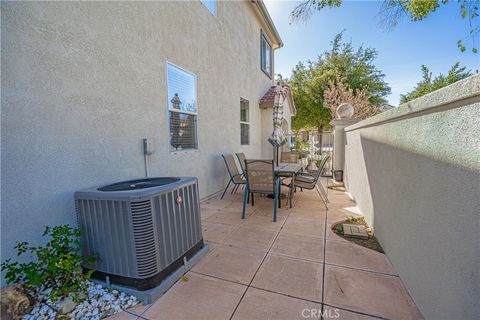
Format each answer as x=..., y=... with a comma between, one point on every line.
x=277, y=154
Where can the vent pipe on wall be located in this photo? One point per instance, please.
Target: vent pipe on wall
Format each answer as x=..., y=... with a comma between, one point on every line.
x=147, y=150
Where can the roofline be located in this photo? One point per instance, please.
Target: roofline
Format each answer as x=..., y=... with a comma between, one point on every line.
x=263, y=10
x=291, y=104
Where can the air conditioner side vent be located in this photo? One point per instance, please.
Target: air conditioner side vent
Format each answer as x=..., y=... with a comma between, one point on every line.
x=144, y=237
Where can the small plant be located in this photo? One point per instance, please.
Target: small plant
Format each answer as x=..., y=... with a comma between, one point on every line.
x=56, y=265
x=339, y=229
x=301, y=145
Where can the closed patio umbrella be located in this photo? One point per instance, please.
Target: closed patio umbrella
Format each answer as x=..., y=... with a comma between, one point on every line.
x=277, y=139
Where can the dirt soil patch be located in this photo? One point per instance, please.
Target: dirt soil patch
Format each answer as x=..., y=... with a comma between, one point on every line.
x=370, y=243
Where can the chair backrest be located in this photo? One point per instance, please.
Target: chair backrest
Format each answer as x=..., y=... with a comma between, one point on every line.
x=289, y=157
x=322, y=166
x=241, y=160
x=231, y=165
x=260, y=176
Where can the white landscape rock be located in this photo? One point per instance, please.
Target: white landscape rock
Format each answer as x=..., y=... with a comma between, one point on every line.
x=99, y=303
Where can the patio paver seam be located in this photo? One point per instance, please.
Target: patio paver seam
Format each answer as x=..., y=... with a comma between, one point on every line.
x=136, y=315
x=355, y=311
x=140, y=316
x=263, y=260
x=216, y=277
x=324, y=250
x=365, y=270
x=225, y=245
x=294, y=257
x=234, y=228
x=258, y=288
x=285, y=295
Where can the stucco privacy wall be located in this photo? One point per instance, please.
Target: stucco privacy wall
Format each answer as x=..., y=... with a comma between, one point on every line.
x=84, y=82
x=415, y=174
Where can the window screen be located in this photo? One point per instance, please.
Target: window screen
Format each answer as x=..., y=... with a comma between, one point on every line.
x=182, y=105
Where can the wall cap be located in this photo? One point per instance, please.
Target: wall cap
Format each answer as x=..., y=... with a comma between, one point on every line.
x=468, y=88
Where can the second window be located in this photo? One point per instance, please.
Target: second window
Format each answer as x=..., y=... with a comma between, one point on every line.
x=266, y=56
x=244, y=122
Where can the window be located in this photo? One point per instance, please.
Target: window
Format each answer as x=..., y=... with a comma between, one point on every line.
x=266, y=56
x=211, y=6
x=244, y=122
x=182, y=106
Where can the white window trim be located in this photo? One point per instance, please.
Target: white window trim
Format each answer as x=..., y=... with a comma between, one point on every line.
x=180, y=111
x=245, y=122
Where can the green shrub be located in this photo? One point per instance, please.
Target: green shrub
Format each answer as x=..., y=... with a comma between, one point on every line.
x=57, y=265
x=339, y=229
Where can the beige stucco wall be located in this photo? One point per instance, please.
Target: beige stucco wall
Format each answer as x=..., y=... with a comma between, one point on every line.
x=84, y=82
x=415, y=174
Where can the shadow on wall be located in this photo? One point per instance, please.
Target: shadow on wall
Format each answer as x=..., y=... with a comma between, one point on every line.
x=427, y=219
x=219, y=170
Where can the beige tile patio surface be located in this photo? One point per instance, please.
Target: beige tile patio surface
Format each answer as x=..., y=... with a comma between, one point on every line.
x=296, y=268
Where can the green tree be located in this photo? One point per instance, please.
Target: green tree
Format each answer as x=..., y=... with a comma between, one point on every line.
x=310, y=80
x=392, y=11
x=429, y=84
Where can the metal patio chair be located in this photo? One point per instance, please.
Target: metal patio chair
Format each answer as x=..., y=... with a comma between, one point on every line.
x=287, y=157
x=310, y=176
x=235, y=176
x=241, y=159
x=310, y=182
x=261, y=178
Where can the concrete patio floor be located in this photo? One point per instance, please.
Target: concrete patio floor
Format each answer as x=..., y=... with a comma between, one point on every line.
x=296, y=268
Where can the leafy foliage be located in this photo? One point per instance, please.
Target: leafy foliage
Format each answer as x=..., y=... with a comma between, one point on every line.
x=304, y=9
x=301, y=145
x=429, y=84
x=57, y=265
x=353, y=68
x=393, y=11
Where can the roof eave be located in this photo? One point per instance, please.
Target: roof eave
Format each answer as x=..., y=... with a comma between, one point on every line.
x=263, y=10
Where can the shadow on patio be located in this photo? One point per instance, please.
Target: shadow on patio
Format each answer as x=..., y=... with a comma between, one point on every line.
x=296, y=268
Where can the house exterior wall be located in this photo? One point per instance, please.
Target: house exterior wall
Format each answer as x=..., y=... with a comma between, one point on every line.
x=84, y=82
x=415, y=173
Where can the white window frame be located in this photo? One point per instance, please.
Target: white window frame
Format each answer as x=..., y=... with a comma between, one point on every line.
x=263, y=37
x=206, y=4
x=172, y=150
x=243, y=100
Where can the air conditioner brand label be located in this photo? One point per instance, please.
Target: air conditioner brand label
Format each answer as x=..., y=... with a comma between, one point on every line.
x=179, y=200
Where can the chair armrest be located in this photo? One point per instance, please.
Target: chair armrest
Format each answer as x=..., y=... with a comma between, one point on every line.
x=305, y=174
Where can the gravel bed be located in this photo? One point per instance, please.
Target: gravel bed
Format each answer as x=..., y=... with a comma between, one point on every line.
x=100, y=303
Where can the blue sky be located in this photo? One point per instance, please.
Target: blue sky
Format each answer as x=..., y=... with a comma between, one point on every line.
x=401, y=52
